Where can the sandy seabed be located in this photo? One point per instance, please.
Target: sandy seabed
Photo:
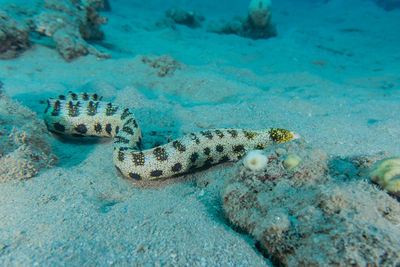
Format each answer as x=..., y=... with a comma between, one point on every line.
x=331, y=75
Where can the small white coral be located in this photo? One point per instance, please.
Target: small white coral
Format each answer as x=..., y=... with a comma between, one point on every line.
x=255, y=160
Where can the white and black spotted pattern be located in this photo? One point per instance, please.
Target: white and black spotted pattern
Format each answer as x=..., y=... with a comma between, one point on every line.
x=87, y=115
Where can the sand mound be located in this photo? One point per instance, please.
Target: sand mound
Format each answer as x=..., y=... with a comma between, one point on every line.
x=320, y=213
x=24, y=147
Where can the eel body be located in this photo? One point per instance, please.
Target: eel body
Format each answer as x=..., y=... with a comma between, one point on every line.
x=86, y=114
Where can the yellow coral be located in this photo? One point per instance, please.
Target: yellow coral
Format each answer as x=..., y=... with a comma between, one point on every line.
x=291, y=161
x=386, y=173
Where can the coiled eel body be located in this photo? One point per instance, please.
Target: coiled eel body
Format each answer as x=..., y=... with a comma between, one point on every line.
x=86, y=114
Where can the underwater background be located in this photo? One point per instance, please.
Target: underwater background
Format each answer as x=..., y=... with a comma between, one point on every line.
x=328, y=71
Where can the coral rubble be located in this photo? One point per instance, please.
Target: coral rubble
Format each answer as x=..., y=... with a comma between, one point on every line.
x=24, y=146
x=181, y=16
x=164, y=65
x=256, y=25
x=177, y=15
x=71, y=23
x=14, y=36
x=309, y=216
